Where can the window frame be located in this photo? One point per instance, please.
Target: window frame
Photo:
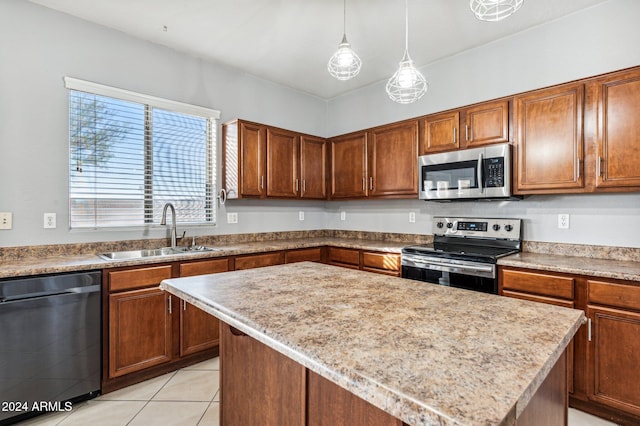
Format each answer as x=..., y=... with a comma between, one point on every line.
x=149, y=102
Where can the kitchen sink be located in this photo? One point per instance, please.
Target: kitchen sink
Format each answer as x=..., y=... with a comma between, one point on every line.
x=164, y=251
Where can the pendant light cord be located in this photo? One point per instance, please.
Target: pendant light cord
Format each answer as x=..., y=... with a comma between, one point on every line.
x=344, y=17
x=406, y=25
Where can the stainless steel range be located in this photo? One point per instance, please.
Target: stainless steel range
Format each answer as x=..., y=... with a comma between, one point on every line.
x=464, y=252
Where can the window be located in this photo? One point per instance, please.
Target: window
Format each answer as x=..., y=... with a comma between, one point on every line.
x=130, y=154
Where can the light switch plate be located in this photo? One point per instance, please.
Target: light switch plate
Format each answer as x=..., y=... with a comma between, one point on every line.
x=6, y=220
x=49, y=220
x=301, y=215
x=343, y=215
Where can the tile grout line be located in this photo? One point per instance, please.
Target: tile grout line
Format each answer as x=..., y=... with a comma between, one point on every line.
x=151, y=398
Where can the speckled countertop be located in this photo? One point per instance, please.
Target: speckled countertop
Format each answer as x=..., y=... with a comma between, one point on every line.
x=426, y=354
x=605, y=268
x=84, y=262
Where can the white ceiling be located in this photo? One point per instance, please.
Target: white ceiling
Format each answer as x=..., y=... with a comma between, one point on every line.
x=290, y=41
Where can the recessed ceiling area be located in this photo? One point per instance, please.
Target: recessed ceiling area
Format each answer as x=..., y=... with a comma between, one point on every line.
x=290, y=41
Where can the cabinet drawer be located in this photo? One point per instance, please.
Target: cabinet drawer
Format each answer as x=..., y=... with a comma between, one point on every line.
x=211, y=266
x=139, y=277
x=259, y=260
x=346, y=256
x=612, y=294
x=301, y=255
x=384, y=261
x=541, y=299
x=542, y=284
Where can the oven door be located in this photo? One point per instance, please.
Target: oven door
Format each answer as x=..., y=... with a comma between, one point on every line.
x=469, y=275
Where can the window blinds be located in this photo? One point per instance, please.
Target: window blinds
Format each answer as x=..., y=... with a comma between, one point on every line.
x=127, y=159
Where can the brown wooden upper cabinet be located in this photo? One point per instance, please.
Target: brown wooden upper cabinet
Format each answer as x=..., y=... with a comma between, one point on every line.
x=477, y=125
x=549, y=140
x=615, y=102
x=244, y=159
x=381, y=162
x=264, y=161
x=349, y=166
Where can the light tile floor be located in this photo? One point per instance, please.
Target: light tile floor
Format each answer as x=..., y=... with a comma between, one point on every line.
x=187, y=397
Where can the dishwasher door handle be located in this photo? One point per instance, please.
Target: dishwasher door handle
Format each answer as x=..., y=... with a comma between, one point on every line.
x=44, y=294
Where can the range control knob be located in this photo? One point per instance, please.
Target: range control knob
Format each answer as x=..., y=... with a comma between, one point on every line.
x=449, y=225
x=496, y=227
x=440, y=225
x=508, y=228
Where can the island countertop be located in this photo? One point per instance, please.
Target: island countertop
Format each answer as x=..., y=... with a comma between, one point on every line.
x=424, y=353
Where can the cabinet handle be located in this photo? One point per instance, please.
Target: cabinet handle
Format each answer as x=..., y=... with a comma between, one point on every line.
x=170, y=305
x=184, y=305
x=364, y=184
x=297, y=185
x=466, y=132
x=589, y=329
x=304, y=185
x=371, y=183
x=455, y=135
x=599, y=165
x=579, y=168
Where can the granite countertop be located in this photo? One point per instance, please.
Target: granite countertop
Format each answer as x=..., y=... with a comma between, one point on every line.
x=605, y=268
x=424, y=353
x=58, y=264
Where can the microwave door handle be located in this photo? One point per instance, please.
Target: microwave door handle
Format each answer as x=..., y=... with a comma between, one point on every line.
x=479, y=173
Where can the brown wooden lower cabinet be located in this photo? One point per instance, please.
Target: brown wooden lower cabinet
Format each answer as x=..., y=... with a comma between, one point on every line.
x=604, y=357
x=329, y=404
x=372, y=261
x=259, y=260
x=258, y=386
x=302, y=255
x=139, y=330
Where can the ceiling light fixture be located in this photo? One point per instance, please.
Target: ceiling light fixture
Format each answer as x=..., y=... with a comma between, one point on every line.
x=407, y=85
x=494, y=10
x=344, y=64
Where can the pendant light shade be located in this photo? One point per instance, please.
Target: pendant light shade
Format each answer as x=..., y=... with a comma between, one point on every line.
x=345, y=63
x=494, y=10
x=408, y=84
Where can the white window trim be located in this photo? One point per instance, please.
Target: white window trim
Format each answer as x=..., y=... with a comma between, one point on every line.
x=127, y=95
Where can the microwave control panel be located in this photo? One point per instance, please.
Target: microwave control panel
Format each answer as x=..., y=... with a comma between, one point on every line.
x=494, y=172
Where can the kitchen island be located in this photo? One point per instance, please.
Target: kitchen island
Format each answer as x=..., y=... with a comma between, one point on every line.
x=424, y=354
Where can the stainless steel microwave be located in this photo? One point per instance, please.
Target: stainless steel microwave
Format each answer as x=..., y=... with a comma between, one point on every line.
x=469, y=174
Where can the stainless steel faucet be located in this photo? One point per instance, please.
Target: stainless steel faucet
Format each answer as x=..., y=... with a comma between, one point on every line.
x=174, y=232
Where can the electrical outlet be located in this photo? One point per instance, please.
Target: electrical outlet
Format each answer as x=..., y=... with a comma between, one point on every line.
x=232, y=217
x=6, y=220
x=412, y=217
x=49, y=220
x=343, y=215
x=563, y=221
x=301, y=215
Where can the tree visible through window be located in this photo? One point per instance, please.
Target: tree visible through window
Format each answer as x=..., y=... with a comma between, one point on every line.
x=127, y=159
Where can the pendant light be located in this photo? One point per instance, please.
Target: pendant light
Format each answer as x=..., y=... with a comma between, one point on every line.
x=344, y=64
x=494, y=10
x=407, y=85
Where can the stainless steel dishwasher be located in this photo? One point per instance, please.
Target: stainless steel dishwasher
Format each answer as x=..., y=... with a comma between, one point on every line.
x=50, y=344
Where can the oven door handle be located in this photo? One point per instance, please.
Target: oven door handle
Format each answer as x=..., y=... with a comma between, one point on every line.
x=427, y=265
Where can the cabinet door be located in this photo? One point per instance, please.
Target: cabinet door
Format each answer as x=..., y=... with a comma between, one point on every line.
x=252, y=161
x=393, y=160
x=486, y=124
x=441, y=132
x=313, y=168
x=549, y=140
x=283, y=167
x=304, y=255
x=199, y=330
x=349, y=166
x=381, y=263
x=139, y=330
x=618, y=135
x=258, y=386
x=613, y=357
